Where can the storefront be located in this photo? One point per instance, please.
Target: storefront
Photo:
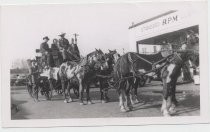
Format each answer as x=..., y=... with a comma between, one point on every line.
x=149, y=36
x=162, y=32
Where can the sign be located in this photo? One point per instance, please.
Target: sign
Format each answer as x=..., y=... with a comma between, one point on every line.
x=160, y=23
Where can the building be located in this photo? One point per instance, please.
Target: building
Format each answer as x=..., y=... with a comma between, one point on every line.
x=164, y=30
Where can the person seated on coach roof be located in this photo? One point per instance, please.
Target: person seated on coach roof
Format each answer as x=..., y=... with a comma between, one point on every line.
x=54, y=45
x=44, y=49
x=47, y=59
x=55, y=52
x=64, y=44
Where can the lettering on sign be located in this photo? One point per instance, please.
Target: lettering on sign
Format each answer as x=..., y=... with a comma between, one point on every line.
x=163, y=22
x=170, y=20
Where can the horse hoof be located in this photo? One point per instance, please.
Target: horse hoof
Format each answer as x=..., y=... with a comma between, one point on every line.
x=123, y=110
x=103, y=101
x=70, y=100
x=81, y=103
x=172, y=111
x=36, y=100
x=166, y=114
x=65, y=101
x=137, y=101
x=130, y=108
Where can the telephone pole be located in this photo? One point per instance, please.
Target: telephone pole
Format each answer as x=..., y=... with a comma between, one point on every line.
x=75, y=37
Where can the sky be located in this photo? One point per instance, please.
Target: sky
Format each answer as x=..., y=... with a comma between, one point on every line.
x=103, y=26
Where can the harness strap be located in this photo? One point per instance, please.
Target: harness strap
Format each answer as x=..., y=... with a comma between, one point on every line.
x=143, y=59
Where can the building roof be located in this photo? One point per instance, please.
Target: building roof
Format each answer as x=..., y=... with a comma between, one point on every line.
x=153, y=18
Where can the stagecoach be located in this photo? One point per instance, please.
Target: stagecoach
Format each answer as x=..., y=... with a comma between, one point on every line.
x=43, y=81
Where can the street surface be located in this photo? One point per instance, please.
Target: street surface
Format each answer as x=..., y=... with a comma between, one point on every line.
x=187, y=94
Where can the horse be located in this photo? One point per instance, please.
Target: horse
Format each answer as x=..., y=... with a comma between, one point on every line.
x=111, y=57
x=126, y=78
x=172, y=70
x=85, y=71
x=126, y=73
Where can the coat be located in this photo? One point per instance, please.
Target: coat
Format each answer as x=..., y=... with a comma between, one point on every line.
x=44, y=47
x=64, y=43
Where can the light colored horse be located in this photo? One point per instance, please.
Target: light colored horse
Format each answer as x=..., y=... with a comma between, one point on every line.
x=85, y=71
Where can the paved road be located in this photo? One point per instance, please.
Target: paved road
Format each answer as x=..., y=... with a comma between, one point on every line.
x=187, y=94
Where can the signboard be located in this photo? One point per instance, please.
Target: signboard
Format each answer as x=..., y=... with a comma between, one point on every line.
x=162, y=25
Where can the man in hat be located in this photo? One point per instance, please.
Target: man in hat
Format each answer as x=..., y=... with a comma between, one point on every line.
x=64, y=44
x=34, y=76
x=45, y=51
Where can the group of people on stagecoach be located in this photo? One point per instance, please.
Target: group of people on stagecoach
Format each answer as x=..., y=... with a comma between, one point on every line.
x=60, y=51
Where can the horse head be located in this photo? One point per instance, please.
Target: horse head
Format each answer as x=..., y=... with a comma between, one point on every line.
x=112, y=58
x=190, y=49
x=192, y=39
x=97, y=60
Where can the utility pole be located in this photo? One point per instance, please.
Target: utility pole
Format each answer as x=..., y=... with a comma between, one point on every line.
x=75, y=37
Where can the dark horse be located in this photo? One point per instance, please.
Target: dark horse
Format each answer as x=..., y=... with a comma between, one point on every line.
x=126, y=78
x=111, y=57
x=169, y=75
x=126, y=73
x=84, y=71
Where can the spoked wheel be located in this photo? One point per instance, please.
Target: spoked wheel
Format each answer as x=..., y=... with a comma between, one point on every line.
x=44, y=88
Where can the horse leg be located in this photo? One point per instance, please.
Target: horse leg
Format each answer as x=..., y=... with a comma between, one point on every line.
x=106, y=94
x=166, y=100
x=129, y=98
x=51, y=87
x=81, y=91
x=121, y=94
x=88, y=94
x=63, y=83
x=136, y=90
x=128, y=94
x=69, y=92
x=101, y=91
x=36, y=92
x=122, y=107
x=167, y=90
x=173, y=98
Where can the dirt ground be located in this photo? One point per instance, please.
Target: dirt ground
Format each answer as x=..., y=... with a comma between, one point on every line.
x=188, y=96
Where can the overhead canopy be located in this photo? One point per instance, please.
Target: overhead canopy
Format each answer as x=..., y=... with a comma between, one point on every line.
x=170, y=37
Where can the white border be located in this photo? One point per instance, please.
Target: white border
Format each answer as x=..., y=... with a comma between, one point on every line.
x=204, y=98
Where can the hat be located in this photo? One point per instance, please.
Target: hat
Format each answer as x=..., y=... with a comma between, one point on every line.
x=46, y=38
x=62, y=34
